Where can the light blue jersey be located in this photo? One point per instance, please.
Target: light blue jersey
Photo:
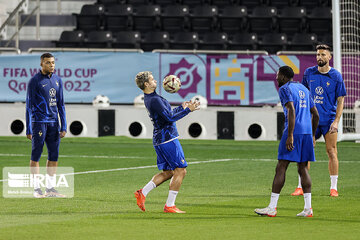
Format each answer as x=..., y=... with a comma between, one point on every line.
x=325, y=88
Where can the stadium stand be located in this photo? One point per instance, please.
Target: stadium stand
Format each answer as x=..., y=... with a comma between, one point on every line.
x=213, y=41
x=246, y=24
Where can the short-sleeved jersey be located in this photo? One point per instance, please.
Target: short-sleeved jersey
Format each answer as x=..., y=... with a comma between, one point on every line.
x=302, y=100
x=45, y=101
x=163, y=118
x=325, y=88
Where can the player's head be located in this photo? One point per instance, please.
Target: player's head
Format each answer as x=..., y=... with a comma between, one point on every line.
x=284, y=74
x=145, y=81
x=323, y=54
x=47, y=63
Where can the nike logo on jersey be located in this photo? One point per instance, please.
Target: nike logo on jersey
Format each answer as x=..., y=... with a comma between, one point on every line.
x=44, y=85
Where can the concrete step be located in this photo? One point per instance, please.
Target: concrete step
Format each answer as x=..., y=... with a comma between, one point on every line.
x=50, y=20
x=67, y=7
x=46, y=33
x=24, y=45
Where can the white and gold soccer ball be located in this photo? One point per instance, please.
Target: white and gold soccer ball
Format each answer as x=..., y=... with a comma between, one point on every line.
x=171, y=84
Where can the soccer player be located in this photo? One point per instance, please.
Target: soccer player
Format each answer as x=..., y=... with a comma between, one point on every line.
x=298, y=140
x=170, y=155
x=44, y=103
x=328, y=89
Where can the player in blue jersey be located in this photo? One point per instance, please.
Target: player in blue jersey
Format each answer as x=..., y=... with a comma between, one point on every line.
x=170, y=155
x=44, y=103
x=298, y=140
x=328, y=89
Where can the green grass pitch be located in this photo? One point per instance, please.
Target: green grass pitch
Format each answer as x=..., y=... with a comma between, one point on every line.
x=219, y=197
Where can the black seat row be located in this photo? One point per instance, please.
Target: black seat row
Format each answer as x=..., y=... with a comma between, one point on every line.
x=271, y=42
x=309, y=4
x=204, y=18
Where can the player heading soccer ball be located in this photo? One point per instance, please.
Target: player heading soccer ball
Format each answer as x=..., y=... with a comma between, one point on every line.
x=298, y=140
x=170, y=155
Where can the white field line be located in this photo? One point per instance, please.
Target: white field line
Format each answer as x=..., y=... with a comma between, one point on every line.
x=196, y=162
x=68, y=156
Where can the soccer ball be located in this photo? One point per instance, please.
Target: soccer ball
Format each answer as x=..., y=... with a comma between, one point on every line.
x=171, y=84
x=101, y=101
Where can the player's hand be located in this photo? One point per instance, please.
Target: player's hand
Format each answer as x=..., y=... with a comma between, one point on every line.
x=334, y=127
x=62, y=134
x=185, y=104
x=290, y=143
x=29, y=136
x=194, y=105
x=314, y=141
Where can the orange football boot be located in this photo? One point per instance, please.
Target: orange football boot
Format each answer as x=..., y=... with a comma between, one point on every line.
x=334, y=193
x=298, y=192
x=140, y=199
x=172, y=209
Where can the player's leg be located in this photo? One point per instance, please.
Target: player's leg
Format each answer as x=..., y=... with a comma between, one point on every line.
x=299, y=191
x=306, y=184
x=331, y=150
x=38, y=138
x=277, y=185
x=52, y=141
x=176, y=160
x=175, y=184
x=157, y=179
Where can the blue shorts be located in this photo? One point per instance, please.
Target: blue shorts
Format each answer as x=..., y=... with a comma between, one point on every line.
x=322, y=130
x=170, y=156
x=48, y=133
x=303, y=149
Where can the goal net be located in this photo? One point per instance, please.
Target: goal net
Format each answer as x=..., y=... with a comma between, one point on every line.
x=349, y=45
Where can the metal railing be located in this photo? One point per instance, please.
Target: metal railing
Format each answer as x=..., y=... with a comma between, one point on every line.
x=34, y=50
x=15, y=13
x=196, y=51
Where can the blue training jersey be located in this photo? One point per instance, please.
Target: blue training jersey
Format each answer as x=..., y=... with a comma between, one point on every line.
x=302, y=100
x=163, y=118
x=45, y=101
x=325, y=88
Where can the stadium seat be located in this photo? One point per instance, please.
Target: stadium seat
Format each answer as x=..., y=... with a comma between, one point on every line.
x=90, y=17
x=147, y=18
x=302, y=42
x=138, y=2
x=326, y=39
x=127, y=39
x=203, y=18
x=155, y=40
x=308, y=4
x=250, y=4
x=319, y=20
x=184, y=40
x=263, y=19
x=193, y=3
x=164, y=3
x=292, y=20
x=71, y=39
x=174, y=18
x=273, y=42
x=220, y=4
x=119, y=18
x=243, y=41
x=233, y=19
x=99, y=39
x=108, y=2
x=213, y=41
x=279, y=3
